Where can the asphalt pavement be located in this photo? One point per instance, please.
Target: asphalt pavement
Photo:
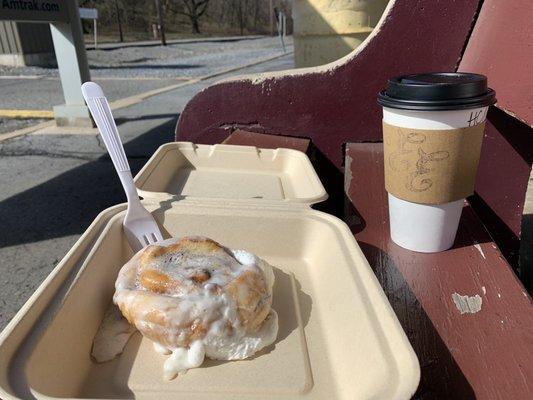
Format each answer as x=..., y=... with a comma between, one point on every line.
x=126, y=69
x=53, y=185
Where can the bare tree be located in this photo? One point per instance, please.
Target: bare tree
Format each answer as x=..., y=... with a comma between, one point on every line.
x=119, y=22
x=161, y=22
x=194, y=9
x=242, y=12
x=220, y=17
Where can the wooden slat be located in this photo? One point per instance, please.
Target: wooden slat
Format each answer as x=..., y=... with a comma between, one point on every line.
x=499, y=48
x=484, y=355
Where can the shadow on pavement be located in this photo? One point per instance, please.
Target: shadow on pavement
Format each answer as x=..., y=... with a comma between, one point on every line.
x=68, y=203
x=148, y=66
x=170, y=44
x=122, y=120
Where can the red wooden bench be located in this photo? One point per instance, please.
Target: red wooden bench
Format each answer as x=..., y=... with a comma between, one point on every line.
x=335, y=104
x=487, y=353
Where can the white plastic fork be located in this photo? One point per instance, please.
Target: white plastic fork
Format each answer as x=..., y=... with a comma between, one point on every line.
x=139, y=225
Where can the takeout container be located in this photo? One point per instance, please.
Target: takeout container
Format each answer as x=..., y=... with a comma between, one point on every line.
x=338, y=336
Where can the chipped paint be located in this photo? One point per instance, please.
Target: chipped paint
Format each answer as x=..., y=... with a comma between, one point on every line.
x=467, y=304
x=499, y=296
x=478, y=248
x=348, y=173
x=483, y=290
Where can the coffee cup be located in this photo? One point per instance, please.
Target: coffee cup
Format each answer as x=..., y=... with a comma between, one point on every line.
x=432, y=133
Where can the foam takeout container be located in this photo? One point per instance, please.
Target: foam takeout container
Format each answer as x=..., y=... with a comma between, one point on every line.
x=338, y=336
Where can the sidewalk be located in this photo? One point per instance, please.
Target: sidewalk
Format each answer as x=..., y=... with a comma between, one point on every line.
x=54, y=185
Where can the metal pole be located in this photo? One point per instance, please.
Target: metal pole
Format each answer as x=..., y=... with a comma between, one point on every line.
x=279, y=21
x=159, y=9
x=119, y=22
x=95, y=34
x=271, y=17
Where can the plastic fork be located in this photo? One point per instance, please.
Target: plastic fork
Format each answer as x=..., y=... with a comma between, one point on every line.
x=139, y=225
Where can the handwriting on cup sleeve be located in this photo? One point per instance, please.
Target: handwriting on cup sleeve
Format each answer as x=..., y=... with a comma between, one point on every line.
x=397, y=160
x=418, y=182
x=417, y=179
x=476, y=117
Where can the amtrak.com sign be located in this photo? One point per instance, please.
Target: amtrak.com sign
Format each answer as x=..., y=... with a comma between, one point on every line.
x=34, y=10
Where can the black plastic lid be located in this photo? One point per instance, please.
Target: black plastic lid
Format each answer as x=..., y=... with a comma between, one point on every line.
x=437, y=91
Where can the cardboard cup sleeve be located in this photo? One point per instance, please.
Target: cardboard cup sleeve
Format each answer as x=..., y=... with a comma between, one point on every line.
x=431, y=166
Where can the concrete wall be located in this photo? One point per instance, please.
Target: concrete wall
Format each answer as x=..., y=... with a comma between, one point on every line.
x=326, y=30
x=25, y=44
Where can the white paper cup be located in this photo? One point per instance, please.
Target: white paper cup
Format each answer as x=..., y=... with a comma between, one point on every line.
x=440, y=102
x=427, y=228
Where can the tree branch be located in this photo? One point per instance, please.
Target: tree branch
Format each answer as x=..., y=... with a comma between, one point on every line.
x=201, y=12
x=186, y=2
x=178, y=11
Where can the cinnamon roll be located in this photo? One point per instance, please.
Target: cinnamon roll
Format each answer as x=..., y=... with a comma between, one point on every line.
x=194, y=298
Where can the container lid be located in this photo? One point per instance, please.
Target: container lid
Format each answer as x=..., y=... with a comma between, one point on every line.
x=437, y=91
x=223, y=173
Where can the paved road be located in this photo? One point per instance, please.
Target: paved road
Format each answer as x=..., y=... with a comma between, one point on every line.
x=53, y=186
x=45, y=92
x=128, y=69
x=183, y=58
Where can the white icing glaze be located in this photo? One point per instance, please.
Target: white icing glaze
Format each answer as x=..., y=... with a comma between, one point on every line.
x=214, y=304
x=244, y=257
x=112, y=336
x=162, y=349
x=220, y=348
x=238, y=348
x=183, y=359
